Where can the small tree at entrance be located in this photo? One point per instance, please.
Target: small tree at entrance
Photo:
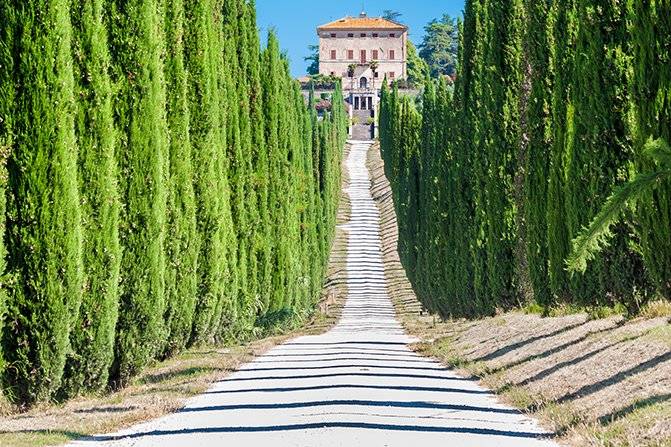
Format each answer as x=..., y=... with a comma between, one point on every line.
x=351, y=68
x=373, y=67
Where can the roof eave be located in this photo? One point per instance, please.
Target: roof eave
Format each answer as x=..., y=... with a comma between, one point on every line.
x=343, y=28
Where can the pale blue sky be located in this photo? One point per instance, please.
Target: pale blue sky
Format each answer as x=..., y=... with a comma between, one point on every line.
x=296, y=20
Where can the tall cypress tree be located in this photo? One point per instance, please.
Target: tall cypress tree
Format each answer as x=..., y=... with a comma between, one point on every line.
x=259, y=266
x=202, y=46
x=225, y=318
x=426, y=188
x=651, y=92
x=475, y=138
x=562, y=64
x=461, y=170
x=92, y=332
x=503, y=78
x=599, y=154
x=137, y=34
x=448, y=298
x=6, y=111
x=537, y=128
x=43, y=213
x=272, y=106
x=183, y=245
x=239, y=150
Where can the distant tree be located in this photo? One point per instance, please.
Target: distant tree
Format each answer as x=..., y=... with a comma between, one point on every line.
x=418, y=69
x=390, y=14
x=439, y=46
x=313, y=58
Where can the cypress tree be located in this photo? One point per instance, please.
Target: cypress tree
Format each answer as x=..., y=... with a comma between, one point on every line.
x=476, y=135
x=600, y=153
x=137, y=34
x=537, y=128
x=183, y=245
x=92, y=331
x=6, y=109
x=651, y=94
x=238, y=141
x=562, y=65
x=446, y=241
x=272, y=106
x=202, y=46
x=503, y=79
x=43, y=214
x=461, y=171
x=225, y=318
x=426, y=187
x=259, y=266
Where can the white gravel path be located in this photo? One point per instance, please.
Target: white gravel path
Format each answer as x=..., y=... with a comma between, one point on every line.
x=357, y=385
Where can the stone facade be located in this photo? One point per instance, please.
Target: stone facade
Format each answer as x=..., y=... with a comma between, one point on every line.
x=355, y=42
x=359, y=41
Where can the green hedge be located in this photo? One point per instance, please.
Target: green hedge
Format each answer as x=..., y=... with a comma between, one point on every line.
x=92, y=332
x=549, y=113
x=44, y=225
x=165, y=186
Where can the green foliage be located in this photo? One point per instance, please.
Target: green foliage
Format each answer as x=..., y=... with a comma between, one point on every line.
x=547, y=120
x=562, y=56
x=439, y=45
x=600, y=155
x=418, y=69
x=392, y=15
x=313, y=58
x=651, y=96
x=183, y=244
x=136, y=32
x=44, y=235
x=593, y=239
x=163, y=189
x=203, y=55
x=535, y=152
x=92, y=330
x=6, y=109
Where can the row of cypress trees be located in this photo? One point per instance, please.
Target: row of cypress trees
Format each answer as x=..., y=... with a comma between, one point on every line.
x=553, y=103
x=162, y=185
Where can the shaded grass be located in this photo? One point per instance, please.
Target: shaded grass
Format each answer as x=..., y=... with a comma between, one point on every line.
x=30, y=438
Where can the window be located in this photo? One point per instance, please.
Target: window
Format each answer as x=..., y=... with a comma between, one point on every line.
x=392, y=75
x=392, y=55
x=350, y=34
x=392, y=34
x=376, y=74
x=350, y=54
x=333, y=55
x=363, y=56
x=363, y=34
x=375, y=35
x=376, y=55
x=333, y=73
x=333, y=34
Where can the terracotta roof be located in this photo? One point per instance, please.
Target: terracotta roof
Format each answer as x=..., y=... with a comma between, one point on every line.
x=362, y=23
